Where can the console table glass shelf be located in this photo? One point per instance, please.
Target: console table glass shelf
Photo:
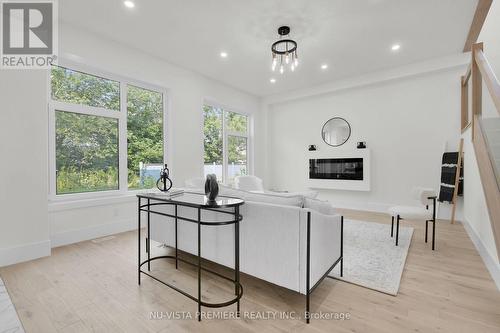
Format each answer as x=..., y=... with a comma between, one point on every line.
x=147, y=202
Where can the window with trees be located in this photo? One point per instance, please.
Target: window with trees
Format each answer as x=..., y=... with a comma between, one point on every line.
x=107, y=135
x=225, y=143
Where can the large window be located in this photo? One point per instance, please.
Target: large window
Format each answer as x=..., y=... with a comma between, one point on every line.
x=226, y=143
x=79, y=88
x=86, y=153
x=144, y=137
x=107, y=134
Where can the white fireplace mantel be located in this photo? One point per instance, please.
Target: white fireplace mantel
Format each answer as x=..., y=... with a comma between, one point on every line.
x=341, y=184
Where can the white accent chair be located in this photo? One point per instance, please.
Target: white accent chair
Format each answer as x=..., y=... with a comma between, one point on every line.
x=425, y=196
x=249, y=183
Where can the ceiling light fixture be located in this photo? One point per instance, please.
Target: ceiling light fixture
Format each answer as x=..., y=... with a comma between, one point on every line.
x=223, y=54
x=284, y=51
x=395, y=47
x=324, y=66
x=272, y=80
x=129, y=4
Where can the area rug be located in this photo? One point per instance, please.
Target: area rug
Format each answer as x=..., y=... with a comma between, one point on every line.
x=9, y=321
x=371, y=258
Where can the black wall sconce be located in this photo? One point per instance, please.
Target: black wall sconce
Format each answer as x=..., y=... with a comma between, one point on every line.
x=361, y=145
x=312, y=148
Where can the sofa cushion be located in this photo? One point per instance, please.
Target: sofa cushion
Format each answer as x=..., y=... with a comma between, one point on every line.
x=306, y=194
x=309, y=194
x=322, y=207
x=277, y=199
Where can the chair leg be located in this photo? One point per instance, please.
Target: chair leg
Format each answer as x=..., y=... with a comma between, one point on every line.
x=397, y=230
x=426, y=227
x=433, y=233
x=392, y=226
x=342, y=267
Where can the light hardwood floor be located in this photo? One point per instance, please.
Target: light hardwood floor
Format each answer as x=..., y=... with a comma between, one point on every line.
x=92, y=286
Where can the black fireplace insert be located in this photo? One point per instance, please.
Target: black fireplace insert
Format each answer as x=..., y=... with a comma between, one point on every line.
x=336, y=168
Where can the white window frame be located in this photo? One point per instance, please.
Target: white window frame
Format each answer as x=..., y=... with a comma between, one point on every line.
x=226, y=134
x=101, y=112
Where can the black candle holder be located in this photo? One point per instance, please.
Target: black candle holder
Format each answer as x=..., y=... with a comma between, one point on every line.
x=164, y=183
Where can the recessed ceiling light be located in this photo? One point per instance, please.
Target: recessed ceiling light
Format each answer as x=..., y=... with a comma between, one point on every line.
x=324, y=66
x=272, y=80
x=223, y=54
x=395, y=47
x=129, y=4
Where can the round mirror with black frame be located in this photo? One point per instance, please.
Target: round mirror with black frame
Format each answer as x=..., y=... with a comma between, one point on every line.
x=336, y=131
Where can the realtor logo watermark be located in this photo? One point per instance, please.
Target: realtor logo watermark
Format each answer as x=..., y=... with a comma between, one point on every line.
x=29, y=34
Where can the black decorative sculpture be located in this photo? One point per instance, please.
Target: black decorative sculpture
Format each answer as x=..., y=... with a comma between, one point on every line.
x=164, y=183
x=211, y=187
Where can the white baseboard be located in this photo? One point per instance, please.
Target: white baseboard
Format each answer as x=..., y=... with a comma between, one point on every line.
x=91, y=232
x=492, y=266
x=17, y=254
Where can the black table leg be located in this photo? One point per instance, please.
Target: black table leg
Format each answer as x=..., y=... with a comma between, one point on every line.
x=426, y=227
x=392, y=226
x=176, y=250
x=199, y=264
x=139, y=240
x=149, y=236
x=342, y=246
x=397, y=230
x=308, y=260
x=237, y=256
x=433, y=233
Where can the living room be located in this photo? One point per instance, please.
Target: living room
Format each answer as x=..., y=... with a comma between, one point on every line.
x=327, y=125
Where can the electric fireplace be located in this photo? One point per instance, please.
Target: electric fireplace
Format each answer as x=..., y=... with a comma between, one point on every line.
x=336, y=168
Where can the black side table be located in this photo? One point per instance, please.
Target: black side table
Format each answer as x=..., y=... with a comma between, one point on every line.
x=199, y=202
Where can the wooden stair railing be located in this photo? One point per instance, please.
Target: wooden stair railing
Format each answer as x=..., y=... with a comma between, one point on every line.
x=487, y=75
x=479, y=71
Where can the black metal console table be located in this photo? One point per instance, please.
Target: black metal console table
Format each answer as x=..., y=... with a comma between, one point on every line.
x=199, y=202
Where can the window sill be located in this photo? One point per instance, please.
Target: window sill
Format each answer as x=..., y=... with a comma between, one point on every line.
x=62, y=204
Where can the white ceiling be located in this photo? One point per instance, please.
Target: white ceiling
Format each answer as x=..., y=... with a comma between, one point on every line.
x=353, y=37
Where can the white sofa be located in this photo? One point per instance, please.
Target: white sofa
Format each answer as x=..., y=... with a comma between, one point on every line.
x=273, y=237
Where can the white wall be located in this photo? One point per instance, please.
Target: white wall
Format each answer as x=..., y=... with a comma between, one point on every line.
x=186, y=94
x=24, y=131
x=23, y=146
x=475, y=208
x=405, y=123
x=476, y=216
x=491, y=38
